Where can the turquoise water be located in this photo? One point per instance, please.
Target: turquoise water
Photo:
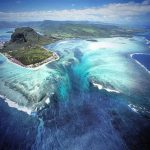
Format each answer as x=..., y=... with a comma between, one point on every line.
x=106, y=62
x=98, y=94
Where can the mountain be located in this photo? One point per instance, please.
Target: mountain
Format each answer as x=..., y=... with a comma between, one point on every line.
x=25, y=37
x=25, y=47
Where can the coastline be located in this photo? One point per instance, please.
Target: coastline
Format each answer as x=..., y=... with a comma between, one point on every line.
x=36, y=66
x=131, y=55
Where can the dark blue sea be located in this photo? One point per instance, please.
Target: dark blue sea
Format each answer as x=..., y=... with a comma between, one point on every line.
x=143, y=59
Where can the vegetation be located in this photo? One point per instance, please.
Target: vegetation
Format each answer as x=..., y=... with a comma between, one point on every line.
x=31, y=56
x=26, y=46
x=77, y=29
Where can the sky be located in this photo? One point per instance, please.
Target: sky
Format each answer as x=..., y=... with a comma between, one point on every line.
x=109, y=11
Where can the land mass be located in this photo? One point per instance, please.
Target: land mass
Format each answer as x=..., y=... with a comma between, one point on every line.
x=77, y=29
x=26, y=48
x=84, y=29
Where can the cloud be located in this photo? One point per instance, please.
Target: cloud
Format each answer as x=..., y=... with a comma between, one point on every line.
x=116, y=12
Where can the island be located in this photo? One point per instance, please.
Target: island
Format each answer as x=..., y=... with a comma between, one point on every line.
x=25, y=48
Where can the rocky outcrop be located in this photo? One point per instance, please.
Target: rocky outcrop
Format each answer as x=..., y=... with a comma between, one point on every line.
x=23, y=38
x=25, y=34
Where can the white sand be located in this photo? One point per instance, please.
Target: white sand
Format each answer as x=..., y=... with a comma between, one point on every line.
x=49, y=60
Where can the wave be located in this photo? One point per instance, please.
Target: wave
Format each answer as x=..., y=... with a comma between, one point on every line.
x=138, y=109
x=133, y=108
x=15, y=105
x=100, y=87
x=147, y=41
x=131, y=55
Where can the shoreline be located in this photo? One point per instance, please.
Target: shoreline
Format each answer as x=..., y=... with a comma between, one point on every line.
x=36, y=66
x=10, y=59
x=131, y=55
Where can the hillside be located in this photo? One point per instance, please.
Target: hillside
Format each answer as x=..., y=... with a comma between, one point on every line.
x=82, y=29
x=75, y=29
x=24, y=38
x=25, y=46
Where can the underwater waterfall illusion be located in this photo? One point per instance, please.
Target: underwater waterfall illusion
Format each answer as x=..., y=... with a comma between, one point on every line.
x=98, y=98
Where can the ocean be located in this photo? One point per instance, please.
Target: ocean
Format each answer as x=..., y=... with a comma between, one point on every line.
x=143, y=59
x=96, y=96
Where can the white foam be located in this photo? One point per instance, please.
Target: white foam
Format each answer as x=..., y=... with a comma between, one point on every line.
x=131, y=55
x=147, y=41
x=102, y=45
x=138, y=109
x=47, y=101
x=39, y=33
x=15, y=105
x=111, y=90
x=139, y=53
x=133, y=108
x=100, y=87
x=63, y=42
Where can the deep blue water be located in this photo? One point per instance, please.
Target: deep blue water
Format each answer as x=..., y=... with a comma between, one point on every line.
x=144, y=59
x=91, y=120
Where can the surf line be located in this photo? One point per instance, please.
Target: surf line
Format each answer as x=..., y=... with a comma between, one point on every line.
x=131, y=55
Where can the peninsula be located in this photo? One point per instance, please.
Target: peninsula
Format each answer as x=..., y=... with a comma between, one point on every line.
x=25, y=48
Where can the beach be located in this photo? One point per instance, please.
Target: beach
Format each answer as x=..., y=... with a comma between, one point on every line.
x=35, y=66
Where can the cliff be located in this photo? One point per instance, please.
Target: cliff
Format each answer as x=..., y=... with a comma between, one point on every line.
x=24, y=38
